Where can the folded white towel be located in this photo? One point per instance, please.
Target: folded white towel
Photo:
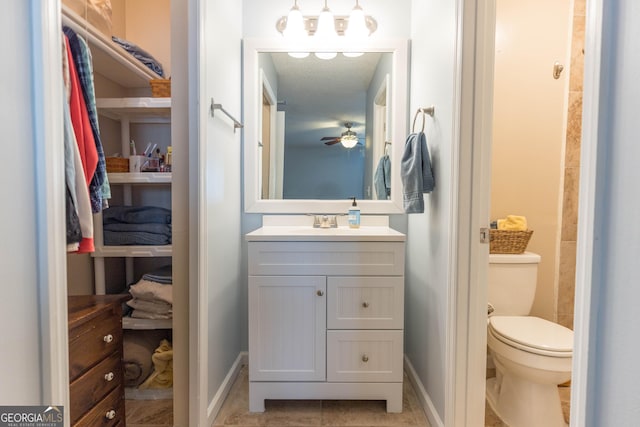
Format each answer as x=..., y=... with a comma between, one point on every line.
x=152, y=291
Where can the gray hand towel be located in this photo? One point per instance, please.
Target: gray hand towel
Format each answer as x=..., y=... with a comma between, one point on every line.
x=416, y=173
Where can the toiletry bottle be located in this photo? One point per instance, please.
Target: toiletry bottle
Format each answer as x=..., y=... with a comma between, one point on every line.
x=354, y=214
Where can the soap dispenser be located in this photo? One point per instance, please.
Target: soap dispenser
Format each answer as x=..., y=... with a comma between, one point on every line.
x=354, y=215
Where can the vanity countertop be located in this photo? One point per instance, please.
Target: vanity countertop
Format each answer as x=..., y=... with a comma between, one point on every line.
x=339, y=234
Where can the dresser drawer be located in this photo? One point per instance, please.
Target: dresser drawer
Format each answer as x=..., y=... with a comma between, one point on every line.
x=326, y=258
x=93, y=385
x=365, y=302
x=90, y=342
x=364, y=356
x=98, y=417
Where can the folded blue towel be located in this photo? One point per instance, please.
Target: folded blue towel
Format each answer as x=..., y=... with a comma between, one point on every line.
x=141, y=55
x=382, y=178
x=136, y=215
x=415, y=171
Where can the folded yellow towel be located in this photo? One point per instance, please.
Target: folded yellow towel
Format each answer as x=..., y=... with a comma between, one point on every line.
x=513, y=223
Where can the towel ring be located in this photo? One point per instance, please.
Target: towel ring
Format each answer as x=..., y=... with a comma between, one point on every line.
x=424, y=110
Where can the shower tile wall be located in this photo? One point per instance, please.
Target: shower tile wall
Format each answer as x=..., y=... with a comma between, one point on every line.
x=566, y=286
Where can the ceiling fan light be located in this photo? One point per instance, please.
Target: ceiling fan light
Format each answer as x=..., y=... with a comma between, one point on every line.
x=349, y=139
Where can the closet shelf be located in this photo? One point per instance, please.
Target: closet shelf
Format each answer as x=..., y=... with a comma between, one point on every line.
x=137, y=110
x=146, y=324
x=110, y=59
x=132, y=251
x=140, y=178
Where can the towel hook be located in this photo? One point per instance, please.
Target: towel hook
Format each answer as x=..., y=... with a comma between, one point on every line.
x=424, y=110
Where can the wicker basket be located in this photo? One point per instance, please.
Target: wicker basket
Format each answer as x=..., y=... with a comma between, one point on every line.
x=160, y=88
x=117, y=164
x=508, y=242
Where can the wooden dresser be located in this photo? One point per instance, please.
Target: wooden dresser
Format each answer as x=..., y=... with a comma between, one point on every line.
x=95, y=360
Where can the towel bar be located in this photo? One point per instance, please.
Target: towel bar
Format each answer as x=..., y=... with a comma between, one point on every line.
x=236, y=124
x=424, y=110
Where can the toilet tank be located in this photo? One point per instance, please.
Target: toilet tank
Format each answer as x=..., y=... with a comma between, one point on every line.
x=512, y=283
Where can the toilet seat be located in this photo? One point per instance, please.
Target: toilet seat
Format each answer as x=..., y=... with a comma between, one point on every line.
x=533, y=335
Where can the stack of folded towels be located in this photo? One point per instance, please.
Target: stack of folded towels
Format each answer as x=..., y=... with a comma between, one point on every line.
x=513, y=223
x=153, y=295
x=136, y=225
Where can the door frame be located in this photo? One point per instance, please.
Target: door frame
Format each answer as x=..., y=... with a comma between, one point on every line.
x=51, y=262
x=465, y=383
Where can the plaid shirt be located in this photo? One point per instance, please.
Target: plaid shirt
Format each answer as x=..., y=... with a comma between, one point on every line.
x=82, y=58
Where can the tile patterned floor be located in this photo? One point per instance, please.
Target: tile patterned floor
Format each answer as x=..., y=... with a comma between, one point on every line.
x=149, y=413
x=299, y=413
x=303, y=413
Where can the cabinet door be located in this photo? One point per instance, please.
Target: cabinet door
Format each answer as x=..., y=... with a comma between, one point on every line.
x=287, y=328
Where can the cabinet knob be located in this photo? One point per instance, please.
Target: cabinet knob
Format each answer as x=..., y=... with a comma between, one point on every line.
x=110, y=414
x=320, y=293
x=365, y=304
x=108, y=338
x=365, y=358
x=109, y=376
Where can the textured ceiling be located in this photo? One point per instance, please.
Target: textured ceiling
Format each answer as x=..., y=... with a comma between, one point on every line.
x=320, y=95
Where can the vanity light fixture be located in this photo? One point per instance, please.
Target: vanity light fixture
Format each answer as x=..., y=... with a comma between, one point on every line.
x=296, y=28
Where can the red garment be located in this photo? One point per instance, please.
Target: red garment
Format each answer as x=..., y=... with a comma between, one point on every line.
x=86, y=147
x=81, y=123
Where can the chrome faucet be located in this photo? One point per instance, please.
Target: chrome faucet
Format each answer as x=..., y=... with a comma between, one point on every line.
x=325, y=221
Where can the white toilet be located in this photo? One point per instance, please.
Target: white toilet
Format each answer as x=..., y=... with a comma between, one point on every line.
x=531, y=355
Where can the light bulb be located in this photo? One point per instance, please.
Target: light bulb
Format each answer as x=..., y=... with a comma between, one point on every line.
x=326, y=24
x=357, y=27
x=349, y=141
x=325, y=55
x=295, y=24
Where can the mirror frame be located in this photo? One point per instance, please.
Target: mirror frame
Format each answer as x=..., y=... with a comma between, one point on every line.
x=253, y=203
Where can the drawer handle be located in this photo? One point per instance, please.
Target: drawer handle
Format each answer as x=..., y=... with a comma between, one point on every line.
x=110, y=414
x=108, y=338
x=365, y=358
x=365, y=304
x=109, y=376
x=320, y=293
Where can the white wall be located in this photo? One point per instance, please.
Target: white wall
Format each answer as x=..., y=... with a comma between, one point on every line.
x=433, y=38
x=21, y=362
x=529, y=109
x=614, y=375
x=222, y=188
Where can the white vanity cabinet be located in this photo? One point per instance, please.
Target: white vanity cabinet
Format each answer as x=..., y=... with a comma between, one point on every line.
x=326, y=315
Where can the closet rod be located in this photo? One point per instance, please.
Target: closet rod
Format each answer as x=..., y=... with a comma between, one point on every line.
x=236, y=123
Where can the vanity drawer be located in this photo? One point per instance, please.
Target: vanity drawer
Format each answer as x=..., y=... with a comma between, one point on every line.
x=91, y=342
x=100, y=415
x=365, y=302
x=364, y=356
x=94, y=384
x=326, y=258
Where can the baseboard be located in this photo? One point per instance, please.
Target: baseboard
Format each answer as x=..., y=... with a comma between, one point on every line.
x=422, y=395
x=223, y=391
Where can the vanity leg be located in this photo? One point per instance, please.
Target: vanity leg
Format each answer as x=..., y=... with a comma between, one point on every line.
x=394, y=403
x=256, y=401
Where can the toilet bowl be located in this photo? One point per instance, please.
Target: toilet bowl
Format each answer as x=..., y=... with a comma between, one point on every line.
x=532, y=356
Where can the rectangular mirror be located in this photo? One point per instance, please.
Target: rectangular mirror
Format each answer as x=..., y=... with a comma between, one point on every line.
x=319, y=131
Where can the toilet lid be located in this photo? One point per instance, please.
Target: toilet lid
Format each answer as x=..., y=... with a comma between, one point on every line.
x=533, y=333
